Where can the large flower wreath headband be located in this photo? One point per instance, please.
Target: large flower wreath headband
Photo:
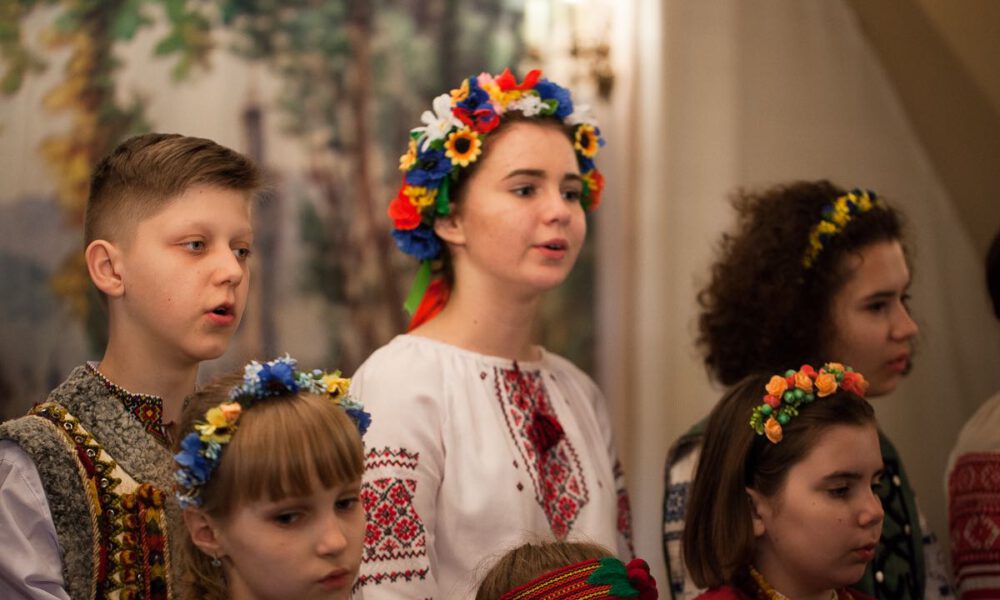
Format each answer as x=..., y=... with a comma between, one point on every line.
x=835, y=217
x=451, y=139
x=597, y=578
x=787, y=393
x=201, y=450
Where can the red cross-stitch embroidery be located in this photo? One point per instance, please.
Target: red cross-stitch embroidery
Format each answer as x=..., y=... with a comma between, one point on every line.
x=394, y=528
x=974, y=487
x=550, y=458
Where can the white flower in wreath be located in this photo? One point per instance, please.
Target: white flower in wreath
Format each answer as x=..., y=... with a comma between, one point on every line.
x=439, y=123
x=582, y=114
x=529, y=105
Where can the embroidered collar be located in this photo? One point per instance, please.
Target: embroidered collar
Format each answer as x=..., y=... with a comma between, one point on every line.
x=146, y=409
x=768, y=591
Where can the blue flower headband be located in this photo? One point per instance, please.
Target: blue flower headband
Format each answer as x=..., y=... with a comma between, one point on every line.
x=201, y=450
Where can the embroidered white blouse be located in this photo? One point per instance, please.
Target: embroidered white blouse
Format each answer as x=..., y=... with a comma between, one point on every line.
x=470, y=455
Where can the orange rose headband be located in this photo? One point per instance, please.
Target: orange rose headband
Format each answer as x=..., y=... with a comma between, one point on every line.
x=785, y=394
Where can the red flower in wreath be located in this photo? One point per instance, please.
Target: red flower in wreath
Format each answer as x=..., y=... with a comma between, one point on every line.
x=481, y=120
x=403, y=213
x=507, y=82
x=855, y=383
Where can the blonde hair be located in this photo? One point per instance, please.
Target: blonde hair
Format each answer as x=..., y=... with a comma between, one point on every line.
x=531, y=560
x=283, y=444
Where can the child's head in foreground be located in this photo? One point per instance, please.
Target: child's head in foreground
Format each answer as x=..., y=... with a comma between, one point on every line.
x=784, y=485
x=269, y=476
x=168, y=232
x=558, y=569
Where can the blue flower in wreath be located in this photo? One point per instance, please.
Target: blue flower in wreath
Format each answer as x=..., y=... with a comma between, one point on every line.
x=361, y=418
x=420, y=242
x=190, y=456
x=429, y=169
x=586, y=164
x=277, y=377
x=551, y=91
x=476, y=98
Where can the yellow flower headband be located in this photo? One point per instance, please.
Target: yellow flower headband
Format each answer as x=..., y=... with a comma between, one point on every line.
x=835, y=218
x=786, y=393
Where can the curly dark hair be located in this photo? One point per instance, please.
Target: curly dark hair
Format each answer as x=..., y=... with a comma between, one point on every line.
x=762, y=310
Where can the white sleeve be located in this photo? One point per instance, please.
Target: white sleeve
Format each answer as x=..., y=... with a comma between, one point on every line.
x=404, y=462
x=30, y=564
x=626, y=549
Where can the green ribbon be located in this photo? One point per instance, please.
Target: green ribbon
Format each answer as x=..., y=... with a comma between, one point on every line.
x=442, y=197
x=418, y=288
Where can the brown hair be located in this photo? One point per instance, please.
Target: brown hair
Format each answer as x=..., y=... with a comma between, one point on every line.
x=145, y=172
x=531, y=560
x=718, y=539
x=762, y=310
x=283, y=443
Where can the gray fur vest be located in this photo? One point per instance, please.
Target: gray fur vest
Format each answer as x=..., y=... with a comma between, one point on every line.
x=108, y=486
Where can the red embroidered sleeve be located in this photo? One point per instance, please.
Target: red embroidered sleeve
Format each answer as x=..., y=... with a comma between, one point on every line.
x=974, y=521
x=395, y=552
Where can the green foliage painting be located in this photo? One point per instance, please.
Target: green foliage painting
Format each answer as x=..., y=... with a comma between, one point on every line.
x=346, y=80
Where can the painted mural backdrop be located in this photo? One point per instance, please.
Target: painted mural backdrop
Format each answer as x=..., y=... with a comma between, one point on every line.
x=320, y=93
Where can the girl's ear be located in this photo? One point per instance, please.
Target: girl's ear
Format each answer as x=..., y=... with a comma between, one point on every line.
x=203, y=532
x=105, y=268
x=760, y=511
x=449, y=228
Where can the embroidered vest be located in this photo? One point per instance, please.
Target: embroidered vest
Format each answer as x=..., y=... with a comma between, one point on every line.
x=107, y=483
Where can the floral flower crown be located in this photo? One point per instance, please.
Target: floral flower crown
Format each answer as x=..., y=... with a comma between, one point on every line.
x=835, y=218
x=452, y=138
x=201, y=450
x=596, y=578
x=785, y=394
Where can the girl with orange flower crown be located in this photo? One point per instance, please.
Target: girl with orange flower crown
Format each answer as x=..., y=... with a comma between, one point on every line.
x=786, y=506
x=269, y=477
x=481, y=436
x=813, y=272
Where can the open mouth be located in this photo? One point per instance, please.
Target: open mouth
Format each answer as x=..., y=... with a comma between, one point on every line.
x=223, y=310
x=555, y=245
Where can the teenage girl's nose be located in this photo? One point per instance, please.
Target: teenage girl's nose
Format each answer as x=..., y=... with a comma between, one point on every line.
x=903, y=326
x=871, y=513
x=557, y=209
x=331, y=538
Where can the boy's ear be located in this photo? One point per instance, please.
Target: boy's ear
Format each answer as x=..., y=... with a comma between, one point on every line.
x=104, y=265
x=760, y=511
x=449, y=228
x=202, y=532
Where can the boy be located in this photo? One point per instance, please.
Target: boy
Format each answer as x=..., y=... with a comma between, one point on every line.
x=84, y=476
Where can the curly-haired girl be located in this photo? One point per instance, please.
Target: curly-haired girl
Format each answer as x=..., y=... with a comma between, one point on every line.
x=811, y=272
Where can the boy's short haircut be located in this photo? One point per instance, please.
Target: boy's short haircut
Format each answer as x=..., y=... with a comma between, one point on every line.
x=146, y=171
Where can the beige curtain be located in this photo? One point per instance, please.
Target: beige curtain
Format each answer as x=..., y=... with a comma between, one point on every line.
x=717, y=95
